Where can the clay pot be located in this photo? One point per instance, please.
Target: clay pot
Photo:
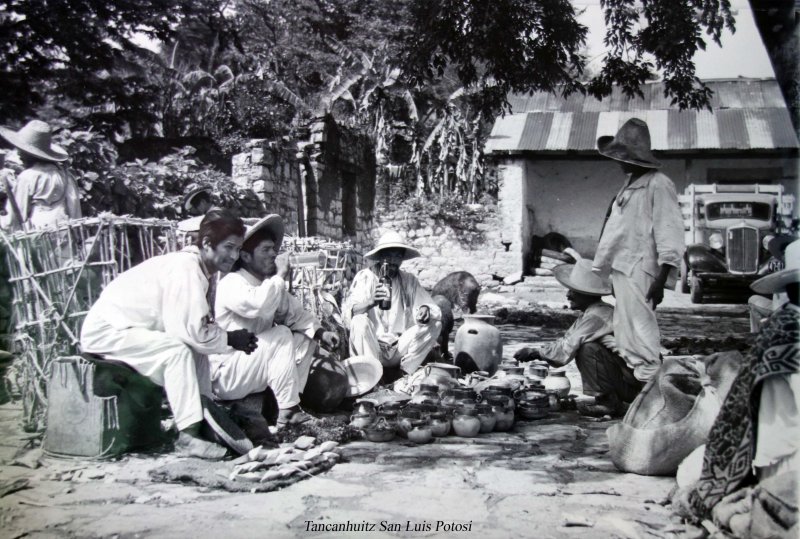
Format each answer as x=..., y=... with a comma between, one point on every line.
x=538, y=369
x=478, y=345
x=504, y=417
x=558, y=383
x=426, y=394
x=442, y=375
x=380, y=431
x=531, y=411
x=487, y=418
x=365, y=407
x=361, y=421
x=466, y=422
x=420, y=432
x=499, y=396
x=405, y=421
x=326, y=387
x=440, y=424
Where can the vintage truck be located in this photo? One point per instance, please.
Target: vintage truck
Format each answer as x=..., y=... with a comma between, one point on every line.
x=728, y=227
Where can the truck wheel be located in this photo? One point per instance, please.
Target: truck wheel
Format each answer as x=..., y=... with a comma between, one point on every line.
x=684, y=282
x=697, y=290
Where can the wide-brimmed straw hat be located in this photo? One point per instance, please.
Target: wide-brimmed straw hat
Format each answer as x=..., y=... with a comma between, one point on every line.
x=580, y=278
x=188, y=200
x=631, y=145
x=392, y=240
x=35, y=139
x=272, y=222
x=776, y=282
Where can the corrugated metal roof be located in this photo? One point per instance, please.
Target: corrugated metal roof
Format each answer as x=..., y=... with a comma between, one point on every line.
x=747, y=115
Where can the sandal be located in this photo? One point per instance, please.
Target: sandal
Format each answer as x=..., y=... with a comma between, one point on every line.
x=191, y=446
x=296, y=417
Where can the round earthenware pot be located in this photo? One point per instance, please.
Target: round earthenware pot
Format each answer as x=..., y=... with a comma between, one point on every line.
x=558, y=383
x=440, y=424
x=530, y=411
x=420, y=432
x=478, y=345
x=442, y=375
x=361, y=421
x=487, y=418
x=538, y=369
x=426, y=394
x=365, y=408
x=380, y=431
x=504, y=417
x=405, y=421
x=507, y=396
x=466, y=422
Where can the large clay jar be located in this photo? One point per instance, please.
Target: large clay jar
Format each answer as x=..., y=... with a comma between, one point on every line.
x=426, y=394
x=466, y=422
x=326, y=387
x=440, y=424
x=504, y=417
x=406, y=420
x=558, y=383
x=487, y=418
x=420, y=432
x=478, y=345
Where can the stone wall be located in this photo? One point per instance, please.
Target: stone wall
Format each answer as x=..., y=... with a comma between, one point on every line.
x=272, y=171
x=447, y=247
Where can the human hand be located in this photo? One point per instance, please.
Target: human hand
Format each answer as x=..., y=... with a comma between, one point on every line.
x=381, y=293
x=282, y=265
x=423, y=314
x=655, y=293
x=527, y=354
x=242, y=340
x=329, y=340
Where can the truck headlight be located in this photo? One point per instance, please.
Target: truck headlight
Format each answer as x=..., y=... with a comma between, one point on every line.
x=716, y=242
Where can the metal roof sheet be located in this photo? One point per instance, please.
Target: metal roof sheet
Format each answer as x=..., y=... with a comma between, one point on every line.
x=746, y=115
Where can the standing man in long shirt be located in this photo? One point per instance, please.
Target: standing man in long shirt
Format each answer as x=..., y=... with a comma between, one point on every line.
x=641, y=245
x=156, y=318
x=254, y=297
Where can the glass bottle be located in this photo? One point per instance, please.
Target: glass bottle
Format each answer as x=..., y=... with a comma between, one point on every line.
x=386, y=282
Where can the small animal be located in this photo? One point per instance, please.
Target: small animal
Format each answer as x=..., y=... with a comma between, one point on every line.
x=447, y=323
x=461, y=288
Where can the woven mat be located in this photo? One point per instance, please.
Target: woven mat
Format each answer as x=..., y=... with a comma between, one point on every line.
x=215, y=475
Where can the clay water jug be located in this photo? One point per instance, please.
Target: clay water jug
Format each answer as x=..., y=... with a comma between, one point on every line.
x=478, y=345
x=558, y=383
x=443, y=375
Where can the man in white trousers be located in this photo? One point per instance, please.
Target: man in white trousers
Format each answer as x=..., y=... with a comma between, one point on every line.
x=254, y=297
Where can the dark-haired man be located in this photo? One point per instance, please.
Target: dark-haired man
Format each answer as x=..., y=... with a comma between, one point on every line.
x=156, y=318
x=254, y=297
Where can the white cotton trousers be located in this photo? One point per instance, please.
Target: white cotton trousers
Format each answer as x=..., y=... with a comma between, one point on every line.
x=281, y=362
x=408, y=352
x=635, y=326
x=164, y=360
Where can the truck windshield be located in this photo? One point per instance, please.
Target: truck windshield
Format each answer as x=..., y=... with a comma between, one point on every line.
x=738, y=210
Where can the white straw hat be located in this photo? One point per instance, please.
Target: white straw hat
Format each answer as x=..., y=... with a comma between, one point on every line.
x=580, y=278
x=392, y=240
x=34, y=139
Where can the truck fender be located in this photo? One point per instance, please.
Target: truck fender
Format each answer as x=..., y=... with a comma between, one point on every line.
x=701, y=259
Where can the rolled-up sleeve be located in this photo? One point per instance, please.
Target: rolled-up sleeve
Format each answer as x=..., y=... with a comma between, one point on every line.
x=667, y=222
x=236, y=295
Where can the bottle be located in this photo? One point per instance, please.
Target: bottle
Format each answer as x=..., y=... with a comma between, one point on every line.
x=386, y=282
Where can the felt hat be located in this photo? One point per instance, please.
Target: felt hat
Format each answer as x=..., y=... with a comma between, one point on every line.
x=580, y=278
x=189, y=198
x=35, y=139
x=392, y=240
x=631, y=145
x=776, y=282
x=273, y=223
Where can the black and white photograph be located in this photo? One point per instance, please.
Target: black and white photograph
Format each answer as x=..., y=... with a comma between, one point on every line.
x=400, y=269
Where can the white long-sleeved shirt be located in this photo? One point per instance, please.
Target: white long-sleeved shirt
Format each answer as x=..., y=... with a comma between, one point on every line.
x=165, y=293
x=645, y=224
x=49, y=187
x=407, y=296
x=596, y=324
x=243, y=301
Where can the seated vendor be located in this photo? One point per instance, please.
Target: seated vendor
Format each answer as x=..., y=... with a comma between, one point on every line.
x=254, y=297
x=402, y=335
x=155, y=317
x=590, y=342
x=756, y=435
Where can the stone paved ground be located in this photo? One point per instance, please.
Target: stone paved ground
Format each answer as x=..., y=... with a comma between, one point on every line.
x=547, y=478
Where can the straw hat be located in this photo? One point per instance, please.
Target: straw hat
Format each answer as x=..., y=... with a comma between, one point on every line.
x=631, y=145
x=776, y=282
x=189, y=198
x=273, y=223
x=363, y=373
x=392, y=240
x=34, y=139
x=580, y=278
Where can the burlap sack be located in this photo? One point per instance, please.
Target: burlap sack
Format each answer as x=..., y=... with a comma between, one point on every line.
x=673, y=414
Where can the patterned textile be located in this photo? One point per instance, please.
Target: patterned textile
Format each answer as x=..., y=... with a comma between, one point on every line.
x=727, y=465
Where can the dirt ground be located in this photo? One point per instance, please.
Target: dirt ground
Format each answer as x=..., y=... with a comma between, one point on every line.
x=547, y=478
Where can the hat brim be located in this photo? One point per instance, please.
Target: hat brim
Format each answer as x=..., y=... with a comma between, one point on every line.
x=273, y=223
x=775, y=282
x=54, y=153
x=410, y=252
x=563, y=274
x=187, y=200
x=607, y=148
x=363, y=373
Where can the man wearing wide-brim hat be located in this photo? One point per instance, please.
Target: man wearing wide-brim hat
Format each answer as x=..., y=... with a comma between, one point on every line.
x=641, y=245
x=590, y=342
x=254, y=297
x=45, y=194
x=756, y=434
x=403, y=335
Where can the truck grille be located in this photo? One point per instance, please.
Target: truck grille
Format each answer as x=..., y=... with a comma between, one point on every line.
x=742, y=249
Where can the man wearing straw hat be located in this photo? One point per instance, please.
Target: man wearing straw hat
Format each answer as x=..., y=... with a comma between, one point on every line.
x=641, y=245
x=254, y=297
x=156, y=318
x=403, y=335
x=45, y=193
x=590, y=342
